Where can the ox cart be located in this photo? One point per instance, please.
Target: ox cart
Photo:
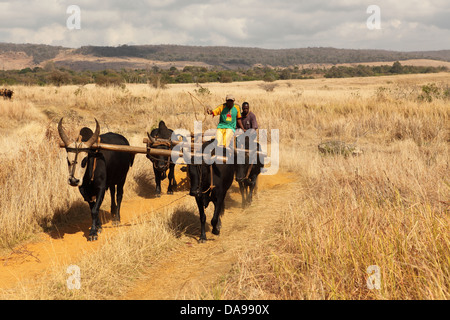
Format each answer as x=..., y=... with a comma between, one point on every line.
x=94, y=172
x=188, y=148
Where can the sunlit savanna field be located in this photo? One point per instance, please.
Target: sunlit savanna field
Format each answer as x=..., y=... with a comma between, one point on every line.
x=331, y=217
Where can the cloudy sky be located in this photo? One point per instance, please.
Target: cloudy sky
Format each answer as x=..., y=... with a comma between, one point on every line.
x=406, y=25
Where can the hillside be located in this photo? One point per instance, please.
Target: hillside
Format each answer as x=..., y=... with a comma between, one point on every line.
x=20, y=56
x=232, y=57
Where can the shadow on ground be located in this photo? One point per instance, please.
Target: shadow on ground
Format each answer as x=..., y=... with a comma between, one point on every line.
x=73, y=220
x=185, y=222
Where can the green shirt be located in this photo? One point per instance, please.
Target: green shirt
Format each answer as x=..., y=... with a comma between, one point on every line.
x=228, y=117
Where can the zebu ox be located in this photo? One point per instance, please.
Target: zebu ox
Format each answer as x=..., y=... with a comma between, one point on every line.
x=160, y=163
x=248, y=165
x=210, y=183
x=94, y=172
x=6, y=93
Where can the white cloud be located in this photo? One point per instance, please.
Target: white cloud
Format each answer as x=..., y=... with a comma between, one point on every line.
x=395, y=23
x=406, y=25
x=45, y=35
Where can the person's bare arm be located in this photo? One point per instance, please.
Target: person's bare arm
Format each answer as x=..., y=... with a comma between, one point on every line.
x=240, y=124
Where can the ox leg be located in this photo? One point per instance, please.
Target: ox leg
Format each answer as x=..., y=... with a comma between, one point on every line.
x=115, y=206
x=219, y=209
x=112, y=191
x=158, y=183
x=171, y=176
x=119, y=202
x=96, y=223
x=251, y=187
x=172, y=181
x=243, y=191
x=201, y=210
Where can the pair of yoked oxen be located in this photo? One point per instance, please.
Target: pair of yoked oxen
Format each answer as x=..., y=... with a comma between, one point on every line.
x=95, y=171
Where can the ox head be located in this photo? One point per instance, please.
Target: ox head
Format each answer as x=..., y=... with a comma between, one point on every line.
x=199, y=177
x=160, y=163
x=199, y=171
x=78, y=151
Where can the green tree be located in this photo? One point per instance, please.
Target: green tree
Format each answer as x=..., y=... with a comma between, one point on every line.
x=59, y=78
x=396, y=67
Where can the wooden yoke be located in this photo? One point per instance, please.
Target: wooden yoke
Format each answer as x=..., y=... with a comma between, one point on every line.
x=125, y=148
x=136, y=150
x=198, y=145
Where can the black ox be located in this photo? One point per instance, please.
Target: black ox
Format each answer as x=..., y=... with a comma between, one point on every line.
x=210, y=183
x=248, y=168
x=161, y=163
x=94, y=172
x=6, y=93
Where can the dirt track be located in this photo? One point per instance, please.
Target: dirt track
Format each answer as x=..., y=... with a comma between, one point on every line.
x=186, y=271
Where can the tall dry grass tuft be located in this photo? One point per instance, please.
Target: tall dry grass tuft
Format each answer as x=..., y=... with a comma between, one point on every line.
x=33, y=183
x=17, y=112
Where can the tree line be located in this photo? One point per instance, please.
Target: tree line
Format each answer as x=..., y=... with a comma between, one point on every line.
x=370, y=71
x=157, y=77
x=235, y=57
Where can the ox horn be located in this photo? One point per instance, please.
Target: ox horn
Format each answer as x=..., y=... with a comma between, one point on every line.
x=94, y=137
x=152, y=139
x=63, y=134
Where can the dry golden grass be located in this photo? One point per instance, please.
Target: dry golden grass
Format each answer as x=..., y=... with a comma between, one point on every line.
x=388, y=207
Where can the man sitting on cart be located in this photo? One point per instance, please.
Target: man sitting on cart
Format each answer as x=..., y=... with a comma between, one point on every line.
x=230, y=115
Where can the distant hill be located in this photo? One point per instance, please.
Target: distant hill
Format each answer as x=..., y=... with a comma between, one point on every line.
x=38, y=52
x=20, y=56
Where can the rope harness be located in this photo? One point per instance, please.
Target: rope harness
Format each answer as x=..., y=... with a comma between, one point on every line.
x=154, y=159
x=248, y=172
x=199, y=168
x=77, y=150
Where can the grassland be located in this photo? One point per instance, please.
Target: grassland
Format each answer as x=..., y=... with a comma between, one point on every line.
x=387, y=207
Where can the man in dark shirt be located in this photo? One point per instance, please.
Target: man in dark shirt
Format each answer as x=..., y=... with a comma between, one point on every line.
x=248, y=118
